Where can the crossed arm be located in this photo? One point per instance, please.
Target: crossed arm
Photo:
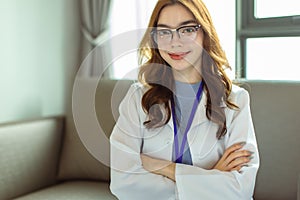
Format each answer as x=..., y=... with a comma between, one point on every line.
x=233, y=159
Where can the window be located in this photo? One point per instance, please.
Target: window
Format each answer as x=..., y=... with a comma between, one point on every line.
x=273, y=58
x=130, y=15
x=268, y=36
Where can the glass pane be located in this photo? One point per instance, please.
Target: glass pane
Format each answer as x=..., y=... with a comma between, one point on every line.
x=273, y=58
x=271, y=8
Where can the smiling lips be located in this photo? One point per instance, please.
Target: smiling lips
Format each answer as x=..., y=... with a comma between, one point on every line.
x=178, y=56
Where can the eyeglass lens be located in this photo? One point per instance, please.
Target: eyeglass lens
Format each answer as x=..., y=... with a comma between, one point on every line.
x=187, y=33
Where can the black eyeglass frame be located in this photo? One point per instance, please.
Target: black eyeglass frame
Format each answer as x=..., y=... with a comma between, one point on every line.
x=154, y=31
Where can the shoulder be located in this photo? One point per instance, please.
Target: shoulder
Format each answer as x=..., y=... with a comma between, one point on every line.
x=137, y=88
x=237, y=90
x=239, y=95
x=135, y=92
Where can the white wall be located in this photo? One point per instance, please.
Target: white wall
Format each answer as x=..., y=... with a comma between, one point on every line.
x=38, y=55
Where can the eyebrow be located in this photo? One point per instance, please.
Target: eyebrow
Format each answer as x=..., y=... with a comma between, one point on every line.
x=181, y=24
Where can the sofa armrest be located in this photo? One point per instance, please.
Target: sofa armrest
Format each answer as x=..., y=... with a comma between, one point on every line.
x=298, y=192
x=29, y=153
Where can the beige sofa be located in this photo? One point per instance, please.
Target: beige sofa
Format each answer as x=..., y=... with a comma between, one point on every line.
x=48, y=159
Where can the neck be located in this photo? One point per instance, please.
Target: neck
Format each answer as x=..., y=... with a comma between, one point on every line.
x=188, y=76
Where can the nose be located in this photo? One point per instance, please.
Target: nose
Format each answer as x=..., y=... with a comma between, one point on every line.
x=175, y=41
x=175, y=34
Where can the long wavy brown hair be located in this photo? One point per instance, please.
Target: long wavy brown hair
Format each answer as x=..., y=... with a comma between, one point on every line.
x=156, y=74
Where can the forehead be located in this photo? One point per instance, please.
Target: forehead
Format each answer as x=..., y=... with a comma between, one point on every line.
x=174, y=15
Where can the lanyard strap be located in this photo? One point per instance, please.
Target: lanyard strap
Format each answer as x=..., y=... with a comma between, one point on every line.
x=179, y=154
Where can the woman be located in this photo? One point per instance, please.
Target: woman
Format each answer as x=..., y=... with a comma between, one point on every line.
x=184, y=131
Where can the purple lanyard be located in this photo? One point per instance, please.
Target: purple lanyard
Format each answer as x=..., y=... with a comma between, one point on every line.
x=178, y=154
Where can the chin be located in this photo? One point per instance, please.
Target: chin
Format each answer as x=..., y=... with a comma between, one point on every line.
x=181, y=65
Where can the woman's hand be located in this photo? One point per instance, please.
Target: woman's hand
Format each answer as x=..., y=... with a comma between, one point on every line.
x=233, y=158
x=158, y=166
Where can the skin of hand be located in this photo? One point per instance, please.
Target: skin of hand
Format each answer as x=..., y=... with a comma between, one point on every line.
x=159, y=167
x=232, y=159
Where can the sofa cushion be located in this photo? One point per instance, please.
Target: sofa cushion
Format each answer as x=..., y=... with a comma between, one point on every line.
x=75, y=190
x=29, y=153
x=85, y=153
x=275, y=112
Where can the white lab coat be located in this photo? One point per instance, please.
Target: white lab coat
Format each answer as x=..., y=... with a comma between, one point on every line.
x=130, y=181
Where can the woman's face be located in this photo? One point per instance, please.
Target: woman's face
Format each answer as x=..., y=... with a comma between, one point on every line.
x=182, y=54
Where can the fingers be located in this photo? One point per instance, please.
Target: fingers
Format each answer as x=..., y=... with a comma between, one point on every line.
x=234, y=158
x=239, y=155
x=233, y=148
x=229, y=153
x=239, y=162
x=237, y=168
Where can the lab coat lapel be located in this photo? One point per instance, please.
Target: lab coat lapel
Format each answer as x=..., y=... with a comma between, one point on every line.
x=202, y=129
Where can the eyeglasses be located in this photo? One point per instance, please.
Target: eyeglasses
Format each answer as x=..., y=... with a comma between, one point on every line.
x=165, y=36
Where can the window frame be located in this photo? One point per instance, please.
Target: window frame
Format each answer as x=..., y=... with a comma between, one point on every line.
x=248, y=26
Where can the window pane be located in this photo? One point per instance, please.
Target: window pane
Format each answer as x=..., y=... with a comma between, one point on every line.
x=273, y=58
x=271, y=8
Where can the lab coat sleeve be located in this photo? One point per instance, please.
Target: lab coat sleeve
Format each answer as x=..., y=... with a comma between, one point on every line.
x=129, y=180
x=197, y=183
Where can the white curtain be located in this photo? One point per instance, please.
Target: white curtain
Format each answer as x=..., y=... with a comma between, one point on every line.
x=128, y=16
x=94, y=15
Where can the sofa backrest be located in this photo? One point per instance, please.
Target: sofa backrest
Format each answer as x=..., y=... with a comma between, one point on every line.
x=276, y=117
x=109, y=95
x=85, y=153
x=275, y=114
x=29, y=153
